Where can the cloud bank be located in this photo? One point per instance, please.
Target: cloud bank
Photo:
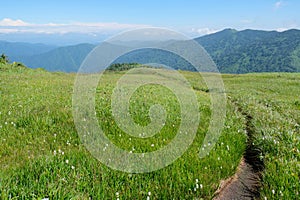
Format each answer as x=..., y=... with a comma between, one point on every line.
x=19, y=26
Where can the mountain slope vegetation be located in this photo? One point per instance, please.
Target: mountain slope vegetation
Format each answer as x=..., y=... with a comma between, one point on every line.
x=67, y=59
x=254, y=51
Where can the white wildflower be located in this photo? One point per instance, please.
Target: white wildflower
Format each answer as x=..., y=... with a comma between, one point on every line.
x=273, y=191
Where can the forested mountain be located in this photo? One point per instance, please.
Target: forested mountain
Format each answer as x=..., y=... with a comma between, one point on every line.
x=67, y=59
x=237, y=52
x=233, y=52
x=254, y=51
x=17, y=51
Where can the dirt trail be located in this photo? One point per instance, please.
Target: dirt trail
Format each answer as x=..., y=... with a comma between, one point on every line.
x=245, y=183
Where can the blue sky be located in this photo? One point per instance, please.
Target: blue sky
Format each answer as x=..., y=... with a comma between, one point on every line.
x=192, y=17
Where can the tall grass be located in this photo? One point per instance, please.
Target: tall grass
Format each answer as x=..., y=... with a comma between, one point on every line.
x=41, y=155
x=271, y=99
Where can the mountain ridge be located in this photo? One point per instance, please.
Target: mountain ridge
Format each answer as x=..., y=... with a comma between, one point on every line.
x=253, y=50
x=233, y=51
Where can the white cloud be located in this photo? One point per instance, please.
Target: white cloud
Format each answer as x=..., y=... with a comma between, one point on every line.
x=14, y=26
x=294, y=26
x=279, y=4
x=204, y=31
x=282, y=29
x=11, y=22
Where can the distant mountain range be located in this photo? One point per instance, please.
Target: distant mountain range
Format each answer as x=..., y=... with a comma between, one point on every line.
x=254, y=51
x=67, y=59
x=233, y=52
x=20, y=50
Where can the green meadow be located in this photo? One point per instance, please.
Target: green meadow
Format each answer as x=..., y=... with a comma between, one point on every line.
x=42, y=156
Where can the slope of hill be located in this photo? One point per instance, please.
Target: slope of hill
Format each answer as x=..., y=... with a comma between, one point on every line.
x=238, y=52
x=17, y=51
x=152, y=56
x=254, y=51
x=67, y=59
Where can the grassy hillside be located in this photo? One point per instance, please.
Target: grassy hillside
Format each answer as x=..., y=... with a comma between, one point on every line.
x=273, y=102
x=42, y=155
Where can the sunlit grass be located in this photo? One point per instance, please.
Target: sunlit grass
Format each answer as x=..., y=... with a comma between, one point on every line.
x=41, y=154
x=271, y=99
